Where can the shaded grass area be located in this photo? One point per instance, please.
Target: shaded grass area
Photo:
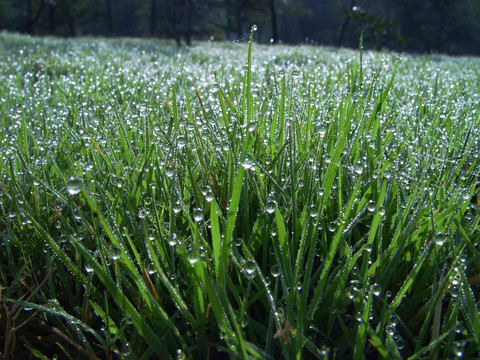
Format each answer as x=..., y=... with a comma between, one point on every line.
x=239, y=200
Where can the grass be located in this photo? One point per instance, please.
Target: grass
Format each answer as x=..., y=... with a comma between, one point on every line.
x=236, y=200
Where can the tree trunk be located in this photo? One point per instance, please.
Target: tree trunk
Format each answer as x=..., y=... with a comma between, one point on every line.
x=273, y=15
x=108, y=5
x=70, y=20
x=30, y=19
x=189, y=21
x=153, y=17
x=51, y=15
x=238, y=17
x=345, y=23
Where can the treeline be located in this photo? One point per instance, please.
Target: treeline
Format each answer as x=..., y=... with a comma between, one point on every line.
x=447, y=26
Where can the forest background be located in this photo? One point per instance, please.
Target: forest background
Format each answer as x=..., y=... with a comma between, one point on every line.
x=444, y=26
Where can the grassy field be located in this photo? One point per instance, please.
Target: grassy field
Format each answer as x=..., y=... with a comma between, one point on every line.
x=236, y=200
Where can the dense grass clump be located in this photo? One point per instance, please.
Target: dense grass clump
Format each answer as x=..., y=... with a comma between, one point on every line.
x=236, y=200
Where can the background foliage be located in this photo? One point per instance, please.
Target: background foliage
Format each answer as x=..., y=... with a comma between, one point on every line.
x=448, y=26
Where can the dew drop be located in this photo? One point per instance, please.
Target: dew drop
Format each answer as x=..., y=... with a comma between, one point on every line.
x=115, y=252
x=192, y=255
x=250, y=266
x=275, y=270
x=440, y=238
x=313, y=211
x=177, y=207
x=371, y=206
x=74, y=185
x=376, y=289
x=198, y=215
x=247, y=163
x=358, y=167
x=324, y=350
x=88, y=267
x=180, y=355
x=172, y=239
x=254, y=27
x=169, y=171
x=151, y=269
x=458, y=349
x=181, y=141
x=270, y=207
x=332, y=226
x=209, y=196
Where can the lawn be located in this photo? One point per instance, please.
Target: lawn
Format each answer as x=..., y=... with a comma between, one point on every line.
x=236, y=201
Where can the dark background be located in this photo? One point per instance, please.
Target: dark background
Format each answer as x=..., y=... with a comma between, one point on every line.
x=444, y=26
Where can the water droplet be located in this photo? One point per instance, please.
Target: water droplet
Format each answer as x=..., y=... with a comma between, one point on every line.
x=181, y=141
x=180, y=355
x=376, y=289
x=172, y=239
x=169, y=171
x=252, y=126
x=324, y=350
x=313, y=211
x=74, y=185
x=381, y=210
x=151, y=269
x=198, y=215
x=332, y=226
x=192, y=255
x=368, y=248
x=400, y=343
x=250, y=266
x=115, y=252
x=440, y=238
x=125, y=350
x=88, y=267
x=247, y=163
x=275, y=271
x=254, y=27
x=209, y=196
x=352, y=292
x=177, y=207
x=358, y=167
x=459, y=348
x=371, y=206
x=270, y=207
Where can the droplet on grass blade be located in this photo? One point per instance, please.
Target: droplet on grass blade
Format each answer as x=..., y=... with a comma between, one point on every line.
x=74, y=185
x=198, y=215
x=180, y=355
x=209, y=196
x=247, y=163
x=250, y=267
x=172, y=239
x=115, y=252
x=192, y=255
x=270, y=207
x=358, y=167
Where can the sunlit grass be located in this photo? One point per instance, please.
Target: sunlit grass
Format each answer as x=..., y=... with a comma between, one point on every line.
x=260, y=202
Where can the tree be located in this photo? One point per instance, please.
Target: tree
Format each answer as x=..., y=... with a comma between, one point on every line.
x=350, y=11
x=108, y=9
x=32, y=14
x=273, y=16
x=189, y=21
x=153, y=17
